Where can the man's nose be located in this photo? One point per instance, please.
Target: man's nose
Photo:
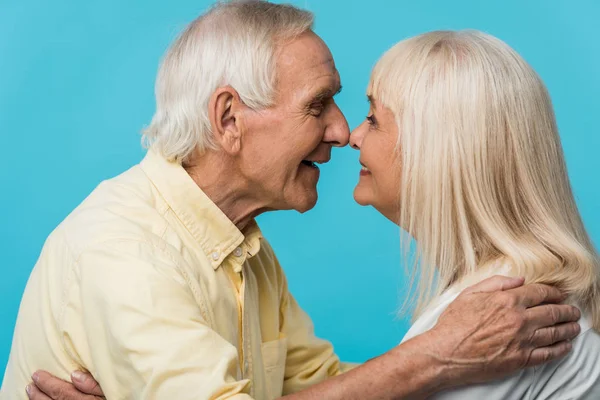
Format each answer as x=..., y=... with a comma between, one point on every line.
x=337, y=132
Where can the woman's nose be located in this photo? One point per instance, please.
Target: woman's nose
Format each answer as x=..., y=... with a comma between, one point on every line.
x=356, y=136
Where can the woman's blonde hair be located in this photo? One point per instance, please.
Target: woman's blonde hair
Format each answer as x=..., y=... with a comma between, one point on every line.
x=483, y=174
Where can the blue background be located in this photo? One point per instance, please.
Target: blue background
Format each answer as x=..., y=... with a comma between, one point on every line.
x=76, y=87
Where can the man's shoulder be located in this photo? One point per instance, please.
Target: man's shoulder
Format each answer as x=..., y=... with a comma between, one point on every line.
x=125, y=207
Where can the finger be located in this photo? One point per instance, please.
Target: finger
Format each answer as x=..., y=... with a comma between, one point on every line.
x=85, y=383
x=551, y=314
x=49, y=384
x=550, y=353
x=33, y=393
x=536, y=293
x=57, y=389
x=494, y=284
x=555, y=334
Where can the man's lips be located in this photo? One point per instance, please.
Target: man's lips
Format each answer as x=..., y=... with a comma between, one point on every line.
x=313, y=162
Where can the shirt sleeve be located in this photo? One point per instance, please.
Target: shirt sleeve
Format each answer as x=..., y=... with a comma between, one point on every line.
x=310, y=360
x=147, y=336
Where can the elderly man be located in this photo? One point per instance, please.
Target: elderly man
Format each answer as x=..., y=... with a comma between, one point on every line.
x=161, y=285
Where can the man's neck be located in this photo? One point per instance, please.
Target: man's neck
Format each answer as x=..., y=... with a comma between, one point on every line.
x=213, y=174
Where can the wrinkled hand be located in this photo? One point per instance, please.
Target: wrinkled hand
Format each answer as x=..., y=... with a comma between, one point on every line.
x=46, y=387
x=498, y=326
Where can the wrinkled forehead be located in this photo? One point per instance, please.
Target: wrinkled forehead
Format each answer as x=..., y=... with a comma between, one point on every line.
x=306, y=64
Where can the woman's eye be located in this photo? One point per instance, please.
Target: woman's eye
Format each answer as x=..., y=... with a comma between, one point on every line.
x=371, y=120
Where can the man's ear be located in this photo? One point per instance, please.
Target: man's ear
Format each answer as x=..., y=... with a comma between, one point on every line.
x=224, y=112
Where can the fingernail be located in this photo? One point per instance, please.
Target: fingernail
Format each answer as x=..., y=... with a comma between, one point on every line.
x=78, y=376
x=35, y=377
x=28, y=390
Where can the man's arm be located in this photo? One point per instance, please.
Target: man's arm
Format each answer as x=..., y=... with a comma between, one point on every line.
x=133, y=320
x=491, y=330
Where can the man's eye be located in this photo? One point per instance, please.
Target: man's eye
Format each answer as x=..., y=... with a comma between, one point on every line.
x=316, y=109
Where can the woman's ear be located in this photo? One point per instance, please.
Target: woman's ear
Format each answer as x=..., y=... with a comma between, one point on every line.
x=224, y=115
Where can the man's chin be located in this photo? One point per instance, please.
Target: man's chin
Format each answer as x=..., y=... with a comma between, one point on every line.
x=306, y=205
x=306, y=202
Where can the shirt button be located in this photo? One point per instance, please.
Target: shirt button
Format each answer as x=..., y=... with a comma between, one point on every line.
x=215, y=255
x=237, y=252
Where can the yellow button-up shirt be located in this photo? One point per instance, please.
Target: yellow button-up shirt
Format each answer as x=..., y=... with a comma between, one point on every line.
x=151, y=288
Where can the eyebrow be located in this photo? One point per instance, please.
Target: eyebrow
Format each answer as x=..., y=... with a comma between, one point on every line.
x=326, y=93
x=371, y=101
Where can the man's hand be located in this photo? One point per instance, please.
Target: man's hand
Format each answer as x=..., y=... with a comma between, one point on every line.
x=497, y=327
x=48, y=387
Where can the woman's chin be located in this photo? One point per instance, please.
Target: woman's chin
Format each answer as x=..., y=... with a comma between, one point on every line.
x=362, y=198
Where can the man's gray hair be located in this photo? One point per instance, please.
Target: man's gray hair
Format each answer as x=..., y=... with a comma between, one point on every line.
x=234, y=43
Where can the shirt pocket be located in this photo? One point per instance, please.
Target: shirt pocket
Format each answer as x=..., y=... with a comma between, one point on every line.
x=274, y=354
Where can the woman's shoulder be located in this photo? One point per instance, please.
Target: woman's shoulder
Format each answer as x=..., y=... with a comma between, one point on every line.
x=428, y=318
x=576, y=376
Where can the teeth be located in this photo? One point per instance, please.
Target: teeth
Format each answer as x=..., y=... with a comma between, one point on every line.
x=364, y=169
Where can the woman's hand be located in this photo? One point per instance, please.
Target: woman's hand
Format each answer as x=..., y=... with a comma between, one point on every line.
x=47, y=387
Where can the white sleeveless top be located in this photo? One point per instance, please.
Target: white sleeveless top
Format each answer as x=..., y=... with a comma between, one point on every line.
x=577, y=376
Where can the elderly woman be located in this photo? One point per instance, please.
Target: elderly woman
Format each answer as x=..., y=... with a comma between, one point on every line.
x=461, y=149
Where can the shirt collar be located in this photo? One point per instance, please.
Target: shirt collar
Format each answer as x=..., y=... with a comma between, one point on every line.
x=212, y=230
